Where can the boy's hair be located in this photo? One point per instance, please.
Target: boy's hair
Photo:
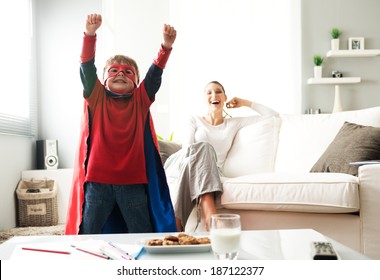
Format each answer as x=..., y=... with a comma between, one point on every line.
x=122, y=59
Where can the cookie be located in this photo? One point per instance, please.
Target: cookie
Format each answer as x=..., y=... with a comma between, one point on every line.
x=171, y=238
x=181, y=239
x=154, y=242
x=188, y=240
x=204, y=240
x=169, y=243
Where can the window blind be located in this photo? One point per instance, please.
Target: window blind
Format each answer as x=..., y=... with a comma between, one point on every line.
x=17, y=92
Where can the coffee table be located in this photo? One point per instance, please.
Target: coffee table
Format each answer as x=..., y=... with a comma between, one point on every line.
x=293, y=244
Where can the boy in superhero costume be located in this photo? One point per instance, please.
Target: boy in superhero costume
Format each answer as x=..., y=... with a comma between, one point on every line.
x=119, y=184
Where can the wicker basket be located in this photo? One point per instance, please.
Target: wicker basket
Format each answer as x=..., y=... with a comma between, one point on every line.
x=37, y=203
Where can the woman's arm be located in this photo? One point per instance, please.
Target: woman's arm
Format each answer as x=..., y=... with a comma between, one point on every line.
x=189, y=137
x=259, y=108
x=263, y=110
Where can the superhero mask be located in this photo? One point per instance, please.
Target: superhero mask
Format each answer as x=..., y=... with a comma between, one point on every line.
x=115, y=69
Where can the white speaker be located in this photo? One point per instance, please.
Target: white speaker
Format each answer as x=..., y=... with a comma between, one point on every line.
x=47, y=154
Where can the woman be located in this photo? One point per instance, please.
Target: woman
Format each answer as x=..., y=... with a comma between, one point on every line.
x=198, y=166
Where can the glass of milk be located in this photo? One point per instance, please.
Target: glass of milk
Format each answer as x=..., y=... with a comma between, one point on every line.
x=225, y=233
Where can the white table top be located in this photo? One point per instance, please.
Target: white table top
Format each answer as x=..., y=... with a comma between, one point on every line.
x=255, y=245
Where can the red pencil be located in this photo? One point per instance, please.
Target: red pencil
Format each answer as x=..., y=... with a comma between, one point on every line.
x=47, y=251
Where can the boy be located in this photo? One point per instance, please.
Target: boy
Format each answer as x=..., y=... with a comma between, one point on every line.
x=119, y=184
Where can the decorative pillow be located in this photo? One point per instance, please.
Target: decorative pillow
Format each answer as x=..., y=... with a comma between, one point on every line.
x=353, y=142
x=254, y=149
x=167, y=148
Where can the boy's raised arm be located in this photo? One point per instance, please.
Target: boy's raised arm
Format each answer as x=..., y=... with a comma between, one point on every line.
x=93, y=22
x=169, y=34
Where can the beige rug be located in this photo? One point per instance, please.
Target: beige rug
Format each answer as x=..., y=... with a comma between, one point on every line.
x=26, y=231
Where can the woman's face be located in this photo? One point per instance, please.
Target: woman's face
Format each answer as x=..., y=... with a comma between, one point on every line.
x=215, y=97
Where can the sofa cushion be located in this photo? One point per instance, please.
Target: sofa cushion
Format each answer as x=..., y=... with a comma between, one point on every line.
x=304, y=138
x=352, y=143
x=167, y=148
x=297, y=192
x=253, y=149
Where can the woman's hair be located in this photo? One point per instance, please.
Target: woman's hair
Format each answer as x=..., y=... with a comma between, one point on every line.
x=122, y=59
x=216, y=82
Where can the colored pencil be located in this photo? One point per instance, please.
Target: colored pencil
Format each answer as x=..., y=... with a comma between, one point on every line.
x=115, y=252
x=91, y=253
x=138, y=255
x=46, y=251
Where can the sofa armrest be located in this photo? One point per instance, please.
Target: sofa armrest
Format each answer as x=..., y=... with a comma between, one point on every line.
x=369, y=177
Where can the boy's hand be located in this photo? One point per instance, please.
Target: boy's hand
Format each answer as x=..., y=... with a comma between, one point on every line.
x=93, y=22
x=169, y=34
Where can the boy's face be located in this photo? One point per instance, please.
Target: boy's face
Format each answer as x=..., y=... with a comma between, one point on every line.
x=120, y=78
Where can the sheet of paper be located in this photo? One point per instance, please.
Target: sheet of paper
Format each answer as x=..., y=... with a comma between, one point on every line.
x=89, y=245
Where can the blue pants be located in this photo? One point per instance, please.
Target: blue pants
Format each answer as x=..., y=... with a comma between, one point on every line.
x=101, y=199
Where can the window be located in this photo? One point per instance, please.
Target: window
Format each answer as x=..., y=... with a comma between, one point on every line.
x=17, y=94
x=251, y=47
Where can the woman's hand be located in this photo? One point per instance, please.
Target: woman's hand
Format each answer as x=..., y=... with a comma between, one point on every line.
x=238, y=102
x=93, y=22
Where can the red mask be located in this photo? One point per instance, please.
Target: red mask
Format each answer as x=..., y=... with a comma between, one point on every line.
x=115, y=69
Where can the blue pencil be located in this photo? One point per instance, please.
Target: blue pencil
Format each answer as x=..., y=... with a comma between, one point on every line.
x=138, y=255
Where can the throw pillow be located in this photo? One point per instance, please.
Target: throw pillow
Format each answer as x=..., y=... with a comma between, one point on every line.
x=167, y=148
x=353, y=143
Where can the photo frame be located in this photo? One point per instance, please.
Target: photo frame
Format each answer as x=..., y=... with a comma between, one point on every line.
x=356, y=43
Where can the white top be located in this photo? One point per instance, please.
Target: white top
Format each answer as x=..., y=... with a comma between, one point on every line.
x=222, y=136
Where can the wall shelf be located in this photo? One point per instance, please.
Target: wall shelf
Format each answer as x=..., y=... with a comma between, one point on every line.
x=334, y=81
x=353, y=53
x=337, y=82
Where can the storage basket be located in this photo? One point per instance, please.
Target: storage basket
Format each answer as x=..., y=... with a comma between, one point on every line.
x=37, y=203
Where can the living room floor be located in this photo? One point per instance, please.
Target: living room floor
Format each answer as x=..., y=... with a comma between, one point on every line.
x=27, y=231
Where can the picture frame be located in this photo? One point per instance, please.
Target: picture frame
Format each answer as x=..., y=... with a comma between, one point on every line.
x=356, y=43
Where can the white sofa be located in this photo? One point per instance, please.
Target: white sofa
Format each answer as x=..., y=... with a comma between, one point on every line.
x=270, y=185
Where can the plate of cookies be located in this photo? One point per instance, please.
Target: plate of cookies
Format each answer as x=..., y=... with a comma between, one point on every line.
x=179, y=243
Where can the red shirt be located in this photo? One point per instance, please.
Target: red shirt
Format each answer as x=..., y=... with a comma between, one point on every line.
x=116, y=150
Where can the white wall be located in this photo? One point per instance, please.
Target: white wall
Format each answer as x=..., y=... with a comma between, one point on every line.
x=233, y=42
x=60, y=27
x=15, y=155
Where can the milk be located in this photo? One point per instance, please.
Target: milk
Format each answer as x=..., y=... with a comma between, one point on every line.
x=225, y=240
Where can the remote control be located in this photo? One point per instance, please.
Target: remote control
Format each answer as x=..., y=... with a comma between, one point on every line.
x=323, y=251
